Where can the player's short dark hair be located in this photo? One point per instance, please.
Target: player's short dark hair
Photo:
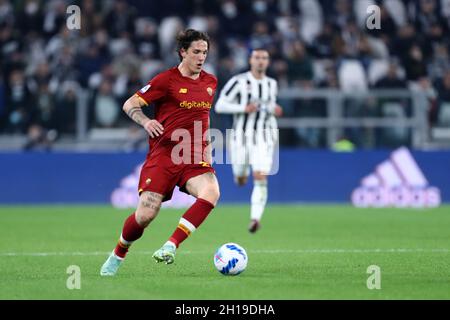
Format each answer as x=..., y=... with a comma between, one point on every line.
x=259, y=49
x=186, y=37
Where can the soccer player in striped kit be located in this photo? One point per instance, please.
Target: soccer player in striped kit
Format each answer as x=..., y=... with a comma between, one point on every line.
x=251, y=98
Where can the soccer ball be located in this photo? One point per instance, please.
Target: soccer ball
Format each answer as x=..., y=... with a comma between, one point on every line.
x=230, y=259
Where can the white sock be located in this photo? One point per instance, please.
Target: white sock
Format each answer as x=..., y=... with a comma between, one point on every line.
x=170, y=243
x=258, y=200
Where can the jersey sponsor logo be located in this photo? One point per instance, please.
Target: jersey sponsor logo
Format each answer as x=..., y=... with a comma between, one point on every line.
x=195, y=104
x=210, y=91
x=397, y=182
x=145, y=89
x=183, y=90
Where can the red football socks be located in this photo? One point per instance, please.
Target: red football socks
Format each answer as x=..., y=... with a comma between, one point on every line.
x=131, y=232
x=191, y=220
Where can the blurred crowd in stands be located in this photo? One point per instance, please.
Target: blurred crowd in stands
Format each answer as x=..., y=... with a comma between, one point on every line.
x=122, y=44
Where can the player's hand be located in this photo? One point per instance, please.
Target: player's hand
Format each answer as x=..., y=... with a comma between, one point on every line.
x=154, y=128
x=278, y=111
x=251, y=107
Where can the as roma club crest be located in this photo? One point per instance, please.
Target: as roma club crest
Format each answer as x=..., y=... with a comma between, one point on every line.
x=210, y=91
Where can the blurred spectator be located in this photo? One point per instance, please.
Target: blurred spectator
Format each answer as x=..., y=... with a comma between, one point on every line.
x=443, y=87
x=42, y=133
x=425, y=86
x=6, y=13
x=299, y=66
x=19, y=103
x=120, y=20
x=42, y=76
x=234, y=19
x=389, y=27
x=261, y=37
x=405, y=39
x=355, y=43
x=168, y=29
x=323, y=45
x=429, y=17
x=31, y=17
x=38, y=138
x=343, y=145
x=415, y=63
x=11, y=45
x=147, y=43
x=3, y=114
x=392, y=80
x=397, y=10
x=106, y=74
x=105, y=107
x=442, y=114
x=44, y=114
x=55, y=17
x=392, y=107
x=352, y=76
x=90, y=62
x=311, y=20
x=91, y=17
x=66, y=108
x=331, y=79
x=341, y=14
x=440, y=62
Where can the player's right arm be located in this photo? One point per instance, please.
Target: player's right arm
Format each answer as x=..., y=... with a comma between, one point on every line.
x=231, y=98
x=155, y=90
x=133, y=108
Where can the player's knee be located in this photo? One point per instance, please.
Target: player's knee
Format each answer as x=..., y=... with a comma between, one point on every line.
x=214, y=193
x=210, y=193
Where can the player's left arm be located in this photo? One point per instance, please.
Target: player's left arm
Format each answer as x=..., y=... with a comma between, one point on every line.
x=228, y=101
x=277, y=109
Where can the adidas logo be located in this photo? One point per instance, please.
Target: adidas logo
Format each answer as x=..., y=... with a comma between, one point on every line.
x=396, y=182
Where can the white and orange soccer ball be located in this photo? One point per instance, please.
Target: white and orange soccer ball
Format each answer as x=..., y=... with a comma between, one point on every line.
x=230, y=259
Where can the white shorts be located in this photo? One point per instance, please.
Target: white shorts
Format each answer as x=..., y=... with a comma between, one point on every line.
x=260, y=153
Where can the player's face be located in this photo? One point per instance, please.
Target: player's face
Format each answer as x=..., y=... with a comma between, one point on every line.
x=195, y=56
x=259, y=61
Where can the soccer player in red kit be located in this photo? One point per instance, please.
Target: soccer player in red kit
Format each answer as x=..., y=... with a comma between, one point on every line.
x=178, y=154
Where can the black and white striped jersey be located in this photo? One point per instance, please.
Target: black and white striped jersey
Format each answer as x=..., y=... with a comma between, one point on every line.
x=243, y=89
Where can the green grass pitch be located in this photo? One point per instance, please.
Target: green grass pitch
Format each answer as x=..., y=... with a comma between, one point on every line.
x=301, y=252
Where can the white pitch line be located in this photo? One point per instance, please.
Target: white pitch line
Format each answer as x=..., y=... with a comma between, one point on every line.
x=298, y=251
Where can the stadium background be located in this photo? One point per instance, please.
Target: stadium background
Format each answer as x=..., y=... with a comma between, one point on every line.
x=64, y=139
x=62, y=90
